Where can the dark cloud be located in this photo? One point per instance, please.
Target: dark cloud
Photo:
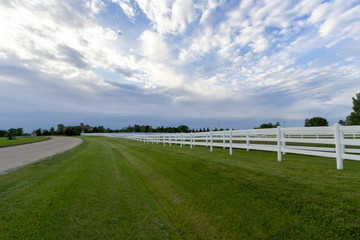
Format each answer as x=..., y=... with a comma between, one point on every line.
x=124, y=86
x=16, y=72
x=123, y=71
x=71, y=13
x=72, y=56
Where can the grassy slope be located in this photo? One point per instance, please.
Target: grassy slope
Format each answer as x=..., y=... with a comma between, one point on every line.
x=116, y=189
x=4, y=142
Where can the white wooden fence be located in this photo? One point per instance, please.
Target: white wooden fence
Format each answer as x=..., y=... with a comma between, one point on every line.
x=340, y=142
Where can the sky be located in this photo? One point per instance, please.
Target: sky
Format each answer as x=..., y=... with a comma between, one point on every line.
x=207, y=63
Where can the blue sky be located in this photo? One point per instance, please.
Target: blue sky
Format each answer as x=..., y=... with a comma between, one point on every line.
x=233, y=64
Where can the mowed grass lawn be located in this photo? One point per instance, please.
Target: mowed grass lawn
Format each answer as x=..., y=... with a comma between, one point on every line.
x=5, y=142
x=117, y=189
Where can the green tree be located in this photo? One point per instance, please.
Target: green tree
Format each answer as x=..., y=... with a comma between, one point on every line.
x=344, y=123
x=148, y=128
x=137, y=128
x=269, y=125
x=11, y=137
x=306, y=123
x=183, y=128
x=354, y=117
x=318, y=122
x=52, y=131
x=60, y=129
x=78, y=130
x=38, y=132
x=129, y=129
x=13, y=132
x=46, y=132
x=101, y=129
x=3, y=133
x=69, y=131
x=20, y=131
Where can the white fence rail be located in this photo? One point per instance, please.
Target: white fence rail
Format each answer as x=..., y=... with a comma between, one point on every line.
x=340, y=142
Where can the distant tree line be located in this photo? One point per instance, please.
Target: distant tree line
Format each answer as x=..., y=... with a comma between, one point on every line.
x=316, y=122
x=77, y=130
x=268, y=125
x=60, y=130
x=150, y=129
x=12, y=133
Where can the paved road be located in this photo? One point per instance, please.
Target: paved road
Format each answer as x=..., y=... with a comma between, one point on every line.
x=14, y=157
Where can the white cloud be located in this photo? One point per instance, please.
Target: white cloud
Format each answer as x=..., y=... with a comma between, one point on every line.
x=154, y=46
x=56, y=49
x=96, y=6
x=303, y=55
x=339, y=22
x=169, y=17
x=260, y=45
x=109, y=34
x=127, y=8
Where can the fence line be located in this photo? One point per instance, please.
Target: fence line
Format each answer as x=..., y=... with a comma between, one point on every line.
x=339, y=142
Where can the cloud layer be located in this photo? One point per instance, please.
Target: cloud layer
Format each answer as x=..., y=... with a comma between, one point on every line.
x=182, y=58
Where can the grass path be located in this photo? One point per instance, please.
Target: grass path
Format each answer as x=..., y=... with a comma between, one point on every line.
x=117, y=189
x=5, y=142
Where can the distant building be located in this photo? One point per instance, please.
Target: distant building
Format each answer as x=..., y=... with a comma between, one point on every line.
x=86, y=127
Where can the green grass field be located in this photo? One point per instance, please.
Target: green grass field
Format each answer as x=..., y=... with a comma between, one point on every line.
x=4, y=142
x=117, y=189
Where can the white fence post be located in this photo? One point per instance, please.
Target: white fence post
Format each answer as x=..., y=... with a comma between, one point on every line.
x=247, y=141
x=223, y=141
x=206, y=139
x=181, y=140
x=230, y=142
x=170, y=140
x=342, y=136
x=279, y=143
x=337, y=136
x=283, y=143
x=164, y=140
x=191, y=140
x=211, y=141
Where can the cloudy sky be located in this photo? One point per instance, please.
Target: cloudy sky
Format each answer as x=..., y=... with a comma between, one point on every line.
x=227, y=63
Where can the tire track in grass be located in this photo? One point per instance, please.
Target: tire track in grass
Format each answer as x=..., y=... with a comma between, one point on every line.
x=189, y=221
x=123, y=211
x=152, y=205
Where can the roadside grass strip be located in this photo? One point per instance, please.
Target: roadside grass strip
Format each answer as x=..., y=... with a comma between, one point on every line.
x=119, y=189
x=5, y=142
